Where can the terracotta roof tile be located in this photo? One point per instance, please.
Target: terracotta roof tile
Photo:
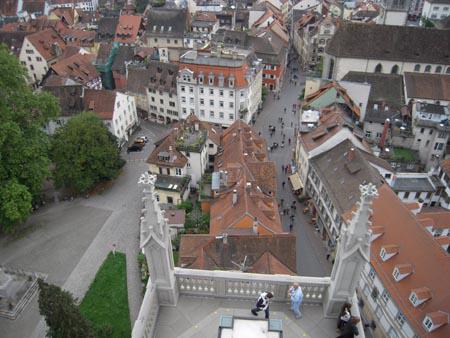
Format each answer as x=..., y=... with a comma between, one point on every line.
x=439, y=317
x=437, y=219
x=422, y=293
x=431, y=263
x=44, y=42
x=404, y=268
x=428, y=86
x=101, y=102
x=128, y=29
x=78, y=67
x=175, y=216
x=167, y=149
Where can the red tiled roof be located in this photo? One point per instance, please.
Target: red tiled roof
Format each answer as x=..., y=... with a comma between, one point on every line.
x=44, y=40
x=168, y=146
x=175, y=216
x=404, y=268
x=78, y=67
x=128, y=28
x=417, y=247
x=437, y=219
x=439, y=317
x=101, y=102
x=422, y=293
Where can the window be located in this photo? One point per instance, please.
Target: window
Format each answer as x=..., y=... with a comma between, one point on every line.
x=175, y=41
x=191, y=90
x=368, y=133
x=202, y=112
x=413, y=298
x=29, y=51
x=29, y=59
x=417, y=68
x=211, y=91
x=375, y=293
x=231, y=93
x=430, y=132
x=184, y=111
x=221, y=114
x=231, y=116
x=417, y=195
x=23, y=63
x=202, y=90
x=445, y=9
x=183, y=99
x=406, y=194
x=157, y=196
x=202, y=102
x=448, y=70
x=183, y=89
x=385, y=296
x=169, y=199
x=221, y=104
x=427, y=69
x=394, y=70
x=38, y=58
x=388, y=176
x=168, y=171
x=211, y=145
x=191, y=100
x=31, y=67
x=221, y=92
x=171, y=103
x=427, y=323
x=438, y=146
x=422, y=130
x=378, y=68
x=161, y=101
x=242, y=92
x=372, y=273
x=231, y=104
x=438, y=69
x=383, y=254
x=400, y=318
x=211, y=102
x=435, y=8
x=211, y=114
x=396, y=274
x=161, y=110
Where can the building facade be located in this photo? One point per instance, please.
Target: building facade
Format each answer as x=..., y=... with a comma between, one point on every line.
x=436, y=9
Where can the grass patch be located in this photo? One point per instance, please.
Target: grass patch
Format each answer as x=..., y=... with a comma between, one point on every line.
x=106, y=302
x=403, y=154
x=175, y=257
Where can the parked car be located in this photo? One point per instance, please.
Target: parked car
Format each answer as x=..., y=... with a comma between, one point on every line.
x=135, y=147
x=139, y=141
x=144, y=138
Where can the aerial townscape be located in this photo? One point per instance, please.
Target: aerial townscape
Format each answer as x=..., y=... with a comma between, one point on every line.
x=224, y=168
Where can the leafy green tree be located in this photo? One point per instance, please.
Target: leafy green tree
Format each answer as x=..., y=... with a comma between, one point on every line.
x=62, y=316
x=84, y=153
x=24, y=162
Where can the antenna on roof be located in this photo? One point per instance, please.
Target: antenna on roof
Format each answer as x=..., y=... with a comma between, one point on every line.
x=242, y=267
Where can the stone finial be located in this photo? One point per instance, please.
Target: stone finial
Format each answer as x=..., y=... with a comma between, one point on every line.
x=368, y=192
x=147, y=179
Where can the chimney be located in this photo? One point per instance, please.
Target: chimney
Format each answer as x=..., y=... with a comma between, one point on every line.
x=351, y=154
x=235, y=196
x=255, y=226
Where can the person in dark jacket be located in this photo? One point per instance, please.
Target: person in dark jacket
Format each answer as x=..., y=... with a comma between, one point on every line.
x=263, y=304
x=350, y=330
x=344, y=315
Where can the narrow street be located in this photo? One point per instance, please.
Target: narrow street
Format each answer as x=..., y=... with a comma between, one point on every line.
x=311, y=254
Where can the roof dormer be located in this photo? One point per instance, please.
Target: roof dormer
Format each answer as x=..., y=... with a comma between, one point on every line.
x=377, y=231
x=402, y=271
x=435, y=320
x=388, y=251
x=419, y=296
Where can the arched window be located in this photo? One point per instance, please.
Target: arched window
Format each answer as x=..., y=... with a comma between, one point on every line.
x=427, y=69
x=417, y=68
x=448, y=70
x=378, y=68
x=438, y=69
x=394, y=69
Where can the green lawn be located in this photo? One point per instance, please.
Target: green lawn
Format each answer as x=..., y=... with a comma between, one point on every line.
x=106, y=302
x=403, y=154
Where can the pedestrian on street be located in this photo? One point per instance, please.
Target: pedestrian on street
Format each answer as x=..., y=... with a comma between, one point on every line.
x=282, y=144
x=291, y=227
x=285, y=110
x=262, y=304
x=287, y=211
x=296, y=295
x=283, y=184
x=289, y=140
x=350, y=330
x=292, y=217
x=259, y=133
x=282, y=167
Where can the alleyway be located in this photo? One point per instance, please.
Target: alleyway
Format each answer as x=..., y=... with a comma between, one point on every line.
x=311, y=255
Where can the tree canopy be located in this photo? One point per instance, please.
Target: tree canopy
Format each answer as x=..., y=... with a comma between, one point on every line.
x=84, y=153
x=61, y=314
x=24, y=162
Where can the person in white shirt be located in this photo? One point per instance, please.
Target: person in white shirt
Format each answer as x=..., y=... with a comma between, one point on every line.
x=263, y=304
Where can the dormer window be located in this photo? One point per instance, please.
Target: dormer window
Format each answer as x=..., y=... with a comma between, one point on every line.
x=383, y=254
x=435, y=320
x=201, y=78
x=419, y=296
x=428, y=323
x=396, y=274
x=413, y=299
x=211, y=79
x=388, y=251
x=231, y=81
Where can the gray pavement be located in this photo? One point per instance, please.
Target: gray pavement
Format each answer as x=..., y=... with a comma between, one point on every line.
x=311, y=254
x=195, y=317
x=68, y=241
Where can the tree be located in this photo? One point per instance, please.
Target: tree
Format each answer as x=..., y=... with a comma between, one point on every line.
x=84, y=153
x=62, y=316
x=24, y=146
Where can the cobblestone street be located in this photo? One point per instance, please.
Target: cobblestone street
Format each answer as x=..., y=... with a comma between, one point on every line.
x=311, y=254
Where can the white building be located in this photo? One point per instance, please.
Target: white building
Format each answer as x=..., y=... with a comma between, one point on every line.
x=117, y=110
x=39, y=51
x=436, y=9
x=386, y=49
x=219, y=87
x=85, y=5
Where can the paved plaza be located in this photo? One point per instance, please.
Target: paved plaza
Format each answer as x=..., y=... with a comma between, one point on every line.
x=199, y=317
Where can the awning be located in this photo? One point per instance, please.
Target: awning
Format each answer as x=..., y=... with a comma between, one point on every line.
x=295, y=181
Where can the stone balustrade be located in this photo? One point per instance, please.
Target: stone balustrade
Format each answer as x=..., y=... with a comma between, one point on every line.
x=144, y=326
x=234, y=284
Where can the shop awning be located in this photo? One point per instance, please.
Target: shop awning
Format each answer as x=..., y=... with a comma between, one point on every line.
x=295, y=181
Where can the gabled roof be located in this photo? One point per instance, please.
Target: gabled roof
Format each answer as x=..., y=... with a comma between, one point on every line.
x=427, y=86
x=102, y=102
x=70, y=98
x=78, y=67
x=167, y=147
x=124, y=54
x=44, y=41
x=396, y=43
x=262, y=254
x=13, y=40
x=127, y=29
x=431, y=263
x=167, y=22
x=341, y=170
x=107, y=28
x=342, y=92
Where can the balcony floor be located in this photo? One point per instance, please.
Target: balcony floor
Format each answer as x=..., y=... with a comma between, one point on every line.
x=199, y=317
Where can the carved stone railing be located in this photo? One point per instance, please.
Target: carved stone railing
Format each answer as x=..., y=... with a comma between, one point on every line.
x=231, y=284
x=144, y=326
